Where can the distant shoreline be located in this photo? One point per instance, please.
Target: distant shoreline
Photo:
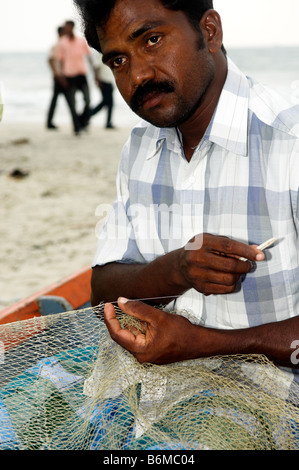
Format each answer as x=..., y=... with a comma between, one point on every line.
x=27, y=96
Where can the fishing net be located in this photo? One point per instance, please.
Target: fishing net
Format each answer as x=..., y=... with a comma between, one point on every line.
x=64, y=384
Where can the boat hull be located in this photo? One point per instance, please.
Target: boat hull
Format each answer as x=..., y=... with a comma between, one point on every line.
x=71, y=293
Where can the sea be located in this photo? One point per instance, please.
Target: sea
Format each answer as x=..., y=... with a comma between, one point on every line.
x=26, y=83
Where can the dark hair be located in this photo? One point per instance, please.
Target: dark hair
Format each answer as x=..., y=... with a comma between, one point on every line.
x=96, y=13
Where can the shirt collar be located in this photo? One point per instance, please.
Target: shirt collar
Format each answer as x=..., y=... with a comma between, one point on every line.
x=159, y=136
x=229, y=125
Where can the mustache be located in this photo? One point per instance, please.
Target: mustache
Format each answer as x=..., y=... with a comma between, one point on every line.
x=151, y=87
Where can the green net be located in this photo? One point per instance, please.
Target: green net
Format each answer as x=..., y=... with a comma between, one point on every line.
x=64, y=384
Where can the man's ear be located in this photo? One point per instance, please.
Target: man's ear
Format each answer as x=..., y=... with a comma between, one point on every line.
x=211, y=26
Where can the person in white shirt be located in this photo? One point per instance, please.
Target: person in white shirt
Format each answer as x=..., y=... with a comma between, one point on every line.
x=208, y=175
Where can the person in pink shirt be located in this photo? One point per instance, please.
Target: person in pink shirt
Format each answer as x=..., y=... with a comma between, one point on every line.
x=72, y=53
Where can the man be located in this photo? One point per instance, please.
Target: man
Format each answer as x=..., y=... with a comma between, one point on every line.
x=210, y=173
x=58, y=87
x=72, y=52
x=105, y=82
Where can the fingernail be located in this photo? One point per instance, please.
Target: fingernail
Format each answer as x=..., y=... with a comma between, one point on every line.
x=259, y=257
x=122, y=300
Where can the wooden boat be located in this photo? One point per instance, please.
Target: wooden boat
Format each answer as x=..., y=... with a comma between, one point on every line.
x=71, y=293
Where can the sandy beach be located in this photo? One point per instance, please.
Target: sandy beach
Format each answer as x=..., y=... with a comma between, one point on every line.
x=51, y=183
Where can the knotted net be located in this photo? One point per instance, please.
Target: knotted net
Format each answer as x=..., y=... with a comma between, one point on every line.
x=64, y=384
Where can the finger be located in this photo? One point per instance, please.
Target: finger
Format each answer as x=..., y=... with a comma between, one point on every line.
x=260, y=256
x=214, y=282
x=123, y=337
x=226, y=246
x=221, y=278
x=218, y=289
x=110, y=317
x=139, y=310
x=238, y=249
x=223, y=263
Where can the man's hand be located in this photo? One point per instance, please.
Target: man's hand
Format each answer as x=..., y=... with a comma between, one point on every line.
x=172, y=338
x=168, y=337
x=211, y=264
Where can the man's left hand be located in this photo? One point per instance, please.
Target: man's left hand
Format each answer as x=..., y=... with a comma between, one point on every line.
x=168, y=337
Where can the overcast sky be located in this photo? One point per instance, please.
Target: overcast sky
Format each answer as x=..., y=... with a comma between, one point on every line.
x=30, y=25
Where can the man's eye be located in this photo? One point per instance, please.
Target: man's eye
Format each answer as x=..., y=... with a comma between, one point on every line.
x=153, y=40
x=118, y=62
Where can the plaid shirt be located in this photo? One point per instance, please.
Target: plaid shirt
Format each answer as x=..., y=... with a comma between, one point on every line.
x=242, y=182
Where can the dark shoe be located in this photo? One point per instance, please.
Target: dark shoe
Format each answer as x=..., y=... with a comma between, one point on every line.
x=110, y=126
x=51, y=126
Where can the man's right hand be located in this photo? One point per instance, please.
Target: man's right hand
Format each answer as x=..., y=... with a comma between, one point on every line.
x=211, y=264
x=208, y=263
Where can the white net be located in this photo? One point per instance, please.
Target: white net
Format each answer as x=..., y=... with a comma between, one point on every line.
x=65, y=384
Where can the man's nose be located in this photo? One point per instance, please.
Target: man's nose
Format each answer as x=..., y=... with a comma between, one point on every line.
x=141, y=72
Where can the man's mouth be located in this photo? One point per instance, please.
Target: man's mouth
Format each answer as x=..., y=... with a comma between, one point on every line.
x=151, y=100
x=150, y=95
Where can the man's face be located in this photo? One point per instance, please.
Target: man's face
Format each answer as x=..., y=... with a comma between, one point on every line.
x=159, y=66
x=68, y=29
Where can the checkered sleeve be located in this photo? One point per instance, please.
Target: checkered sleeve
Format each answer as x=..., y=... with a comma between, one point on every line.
x=116, y=241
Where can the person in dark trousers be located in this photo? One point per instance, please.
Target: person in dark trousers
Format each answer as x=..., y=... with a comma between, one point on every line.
x=58, y=87
x=105, y=81
x=73, y=54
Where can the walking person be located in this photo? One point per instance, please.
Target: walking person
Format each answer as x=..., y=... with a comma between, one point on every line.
x=72, y=53
x=105, y=81
x=58, y=87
